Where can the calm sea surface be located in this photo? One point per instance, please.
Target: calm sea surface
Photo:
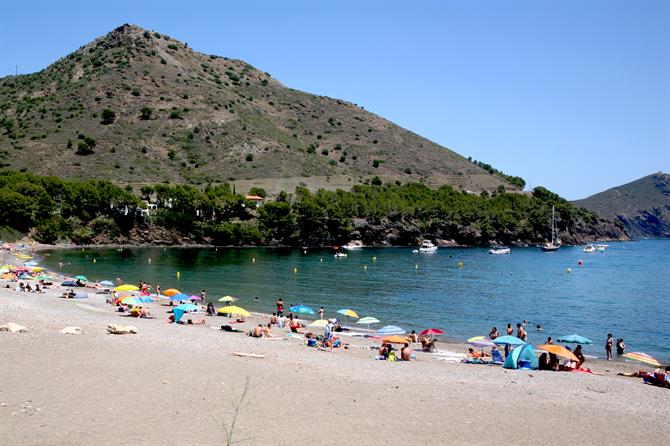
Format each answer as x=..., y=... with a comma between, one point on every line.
x=624, y=290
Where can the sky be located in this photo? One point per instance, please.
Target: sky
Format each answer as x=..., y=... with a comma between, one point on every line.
x=570, y=95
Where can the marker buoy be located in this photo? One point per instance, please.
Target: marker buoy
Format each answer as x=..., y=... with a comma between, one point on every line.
x=149, y=259
x=253, y=260
x=374, y=259
x=178, y=274
x=460, y=264
x=295, y=270
x=304, y=251
x=94, y=260
x=365, y=267
x=321, y=259
x=580, y=262
x=568, y=270
x=416, y=266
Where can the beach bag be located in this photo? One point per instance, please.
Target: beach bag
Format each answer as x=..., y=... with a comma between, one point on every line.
x=391, y=357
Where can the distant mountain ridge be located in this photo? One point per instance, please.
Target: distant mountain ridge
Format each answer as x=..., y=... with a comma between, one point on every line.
x=642, y=206
x=138, y=107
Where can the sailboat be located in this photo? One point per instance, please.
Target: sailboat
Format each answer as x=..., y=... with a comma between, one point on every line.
x=555, y=241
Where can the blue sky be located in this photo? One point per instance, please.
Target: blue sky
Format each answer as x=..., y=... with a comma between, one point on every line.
x=571, y=95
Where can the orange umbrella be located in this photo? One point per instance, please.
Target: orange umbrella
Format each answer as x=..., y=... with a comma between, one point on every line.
x=559, y=350
x=171, y=292
x=395, y=339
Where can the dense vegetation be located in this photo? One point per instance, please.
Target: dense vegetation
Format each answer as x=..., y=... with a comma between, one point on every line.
x=100, y=212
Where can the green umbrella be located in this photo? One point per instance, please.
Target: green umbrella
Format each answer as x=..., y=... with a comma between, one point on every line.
x=43, y=277
x=82, y=278
x=367, y=320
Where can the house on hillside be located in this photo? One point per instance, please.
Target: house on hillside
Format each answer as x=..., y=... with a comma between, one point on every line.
x=255, y=198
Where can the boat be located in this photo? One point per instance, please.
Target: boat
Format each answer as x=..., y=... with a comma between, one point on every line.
x=340, y=254
x=500, y=250
x=601, y=248
x=352, y=245
x=589, y=248
x=555, y=242
x=426, y=247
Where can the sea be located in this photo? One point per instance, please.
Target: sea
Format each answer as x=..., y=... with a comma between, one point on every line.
x=462, y=291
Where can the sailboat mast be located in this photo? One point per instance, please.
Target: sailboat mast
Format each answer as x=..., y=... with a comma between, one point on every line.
x=553, y=223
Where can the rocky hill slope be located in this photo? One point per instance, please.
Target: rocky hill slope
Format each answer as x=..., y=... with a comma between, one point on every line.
x=137, y=107
x=643, y=205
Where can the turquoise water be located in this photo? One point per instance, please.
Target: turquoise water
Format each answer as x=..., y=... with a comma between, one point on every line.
x=624, y=290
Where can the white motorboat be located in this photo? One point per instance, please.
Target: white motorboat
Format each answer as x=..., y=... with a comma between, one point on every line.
x=426, y=247
x=352, y=245
x=601, y=248
x=500, y=250
x=340, y=254
x=555, y=242
x=589, y=248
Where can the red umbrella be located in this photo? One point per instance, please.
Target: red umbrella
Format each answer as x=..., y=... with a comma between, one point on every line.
x=432, y=331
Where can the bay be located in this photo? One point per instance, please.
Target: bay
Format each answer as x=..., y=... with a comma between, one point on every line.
x=623, y=291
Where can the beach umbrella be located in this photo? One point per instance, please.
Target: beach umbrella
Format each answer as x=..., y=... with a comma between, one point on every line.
x=642, y=357
x=131, y=301
x=559, y=350
x=367, y=320
x=348, y=312
x=511, y=340
x=145, y=299
x=107, y=283
x=37, y=269
x=395, y=339
x=301, y=309
x=194, y=297
x=232, y=309
x=8, y=276
x=390, y=330
x=477, y=338
x=432, y=332
x=82, y=278
x=126, y=288
x=30, y=263
x=43, y=277
x=179, y=296
x=574, y=339
x=481, y=343
x=227, y=299
x=179, y=310
x=319, y=323
x=171, y=292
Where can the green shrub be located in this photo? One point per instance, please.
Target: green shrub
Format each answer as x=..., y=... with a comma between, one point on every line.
x=108, y=116
x=249, y=157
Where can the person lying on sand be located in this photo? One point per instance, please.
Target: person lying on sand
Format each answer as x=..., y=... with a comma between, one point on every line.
x=472, y=353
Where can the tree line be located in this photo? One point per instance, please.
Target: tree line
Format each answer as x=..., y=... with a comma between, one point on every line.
x=93, y=211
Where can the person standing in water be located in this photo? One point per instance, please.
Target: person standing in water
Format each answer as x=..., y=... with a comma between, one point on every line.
x=280, y=307
x=609, y=343
x=620, y=346
x=321, y=313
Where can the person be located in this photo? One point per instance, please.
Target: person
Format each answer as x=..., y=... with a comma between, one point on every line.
x=273, y=319
x=327, y=331
x=258, y=331
x=267, y=331
x=144, y=313
x=428, y=345
x=78, y=283
x=211, y=311
x=549, y=341
x=620, y=346
x=580, y=356
x=203, y=296
x=158, y=289
x=521, y=332
x=608, y=346
x=384, y=350
x=554, y=363
x=321, y=313
x=493, y=333
x=538, y=327
x=413, y=336
x=280, y=307
x=510, y=330
x=406, y=352
x=281, y=321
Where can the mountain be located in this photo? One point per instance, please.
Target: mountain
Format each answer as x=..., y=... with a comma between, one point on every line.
x=138, y=107
x=643, y=206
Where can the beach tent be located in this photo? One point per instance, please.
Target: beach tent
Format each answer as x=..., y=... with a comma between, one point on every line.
x=179, y=310
x=522, y=357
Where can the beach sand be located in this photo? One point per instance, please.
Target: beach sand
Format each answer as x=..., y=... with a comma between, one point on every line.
x=171, y=384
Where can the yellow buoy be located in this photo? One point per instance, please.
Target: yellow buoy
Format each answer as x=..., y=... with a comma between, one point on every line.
x=295, y=270
x=178, y=274
x=94, y=260
x=460, y=264
x=253, y=260
x=374, y=259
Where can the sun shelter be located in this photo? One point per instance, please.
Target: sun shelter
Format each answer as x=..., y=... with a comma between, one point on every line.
x=522, y=357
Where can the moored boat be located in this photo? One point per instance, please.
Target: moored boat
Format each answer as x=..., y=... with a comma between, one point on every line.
x=500, y=250
x=555, y=242
x=354, y=244
x=426, y=247
x=589, y=248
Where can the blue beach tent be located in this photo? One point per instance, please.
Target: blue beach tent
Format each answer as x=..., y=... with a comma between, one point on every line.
x=522, y=357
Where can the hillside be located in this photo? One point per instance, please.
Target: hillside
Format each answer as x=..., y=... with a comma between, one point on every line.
x=137, y=107
x=643, y=206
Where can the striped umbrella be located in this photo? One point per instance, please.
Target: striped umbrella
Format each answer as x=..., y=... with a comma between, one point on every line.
x=642, y=357
x=367, y=320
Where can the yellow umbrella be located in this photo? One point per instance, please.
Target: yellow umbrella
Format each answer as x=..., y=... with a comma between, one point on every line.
x=171, y=292
x=559, y=350
x=319, y=323
x=37, y=269
x=126, y=288
x=227, y=299
x=476, y=338
x=642, y=357
x=348, y=312
x=232, y=309
x=395, y=339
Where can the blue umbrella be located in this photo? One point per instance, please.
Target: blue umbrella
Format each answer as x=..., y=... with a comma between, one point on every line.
x=511, y=340
x=575, y=339
x=107, y=283
x=179, y=310
x=30, y=263
x=180, y=296
x=145, y=299
x=390, y=330
x=301, y=309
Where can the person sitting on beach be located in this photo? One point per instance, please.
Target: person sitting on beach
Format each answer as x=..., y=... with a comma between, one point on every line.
x=406, y=353
x=620, y=346
x=543, y=362
x=493, y=333
x=383, y=350
x=21, y=287
x=135, y=311
x=144, y=313
x=267, y=331
x=273, y=319
x=428, y=345
x=258, y=331
x=580, y=356
x=554, y=363
x=211, y=311
x=29, y=288
x=413, y=336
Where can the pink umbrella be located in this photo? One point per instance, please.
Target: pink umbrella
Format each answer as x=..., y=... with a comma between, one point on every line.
x=432, y=331
x=195, y=298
